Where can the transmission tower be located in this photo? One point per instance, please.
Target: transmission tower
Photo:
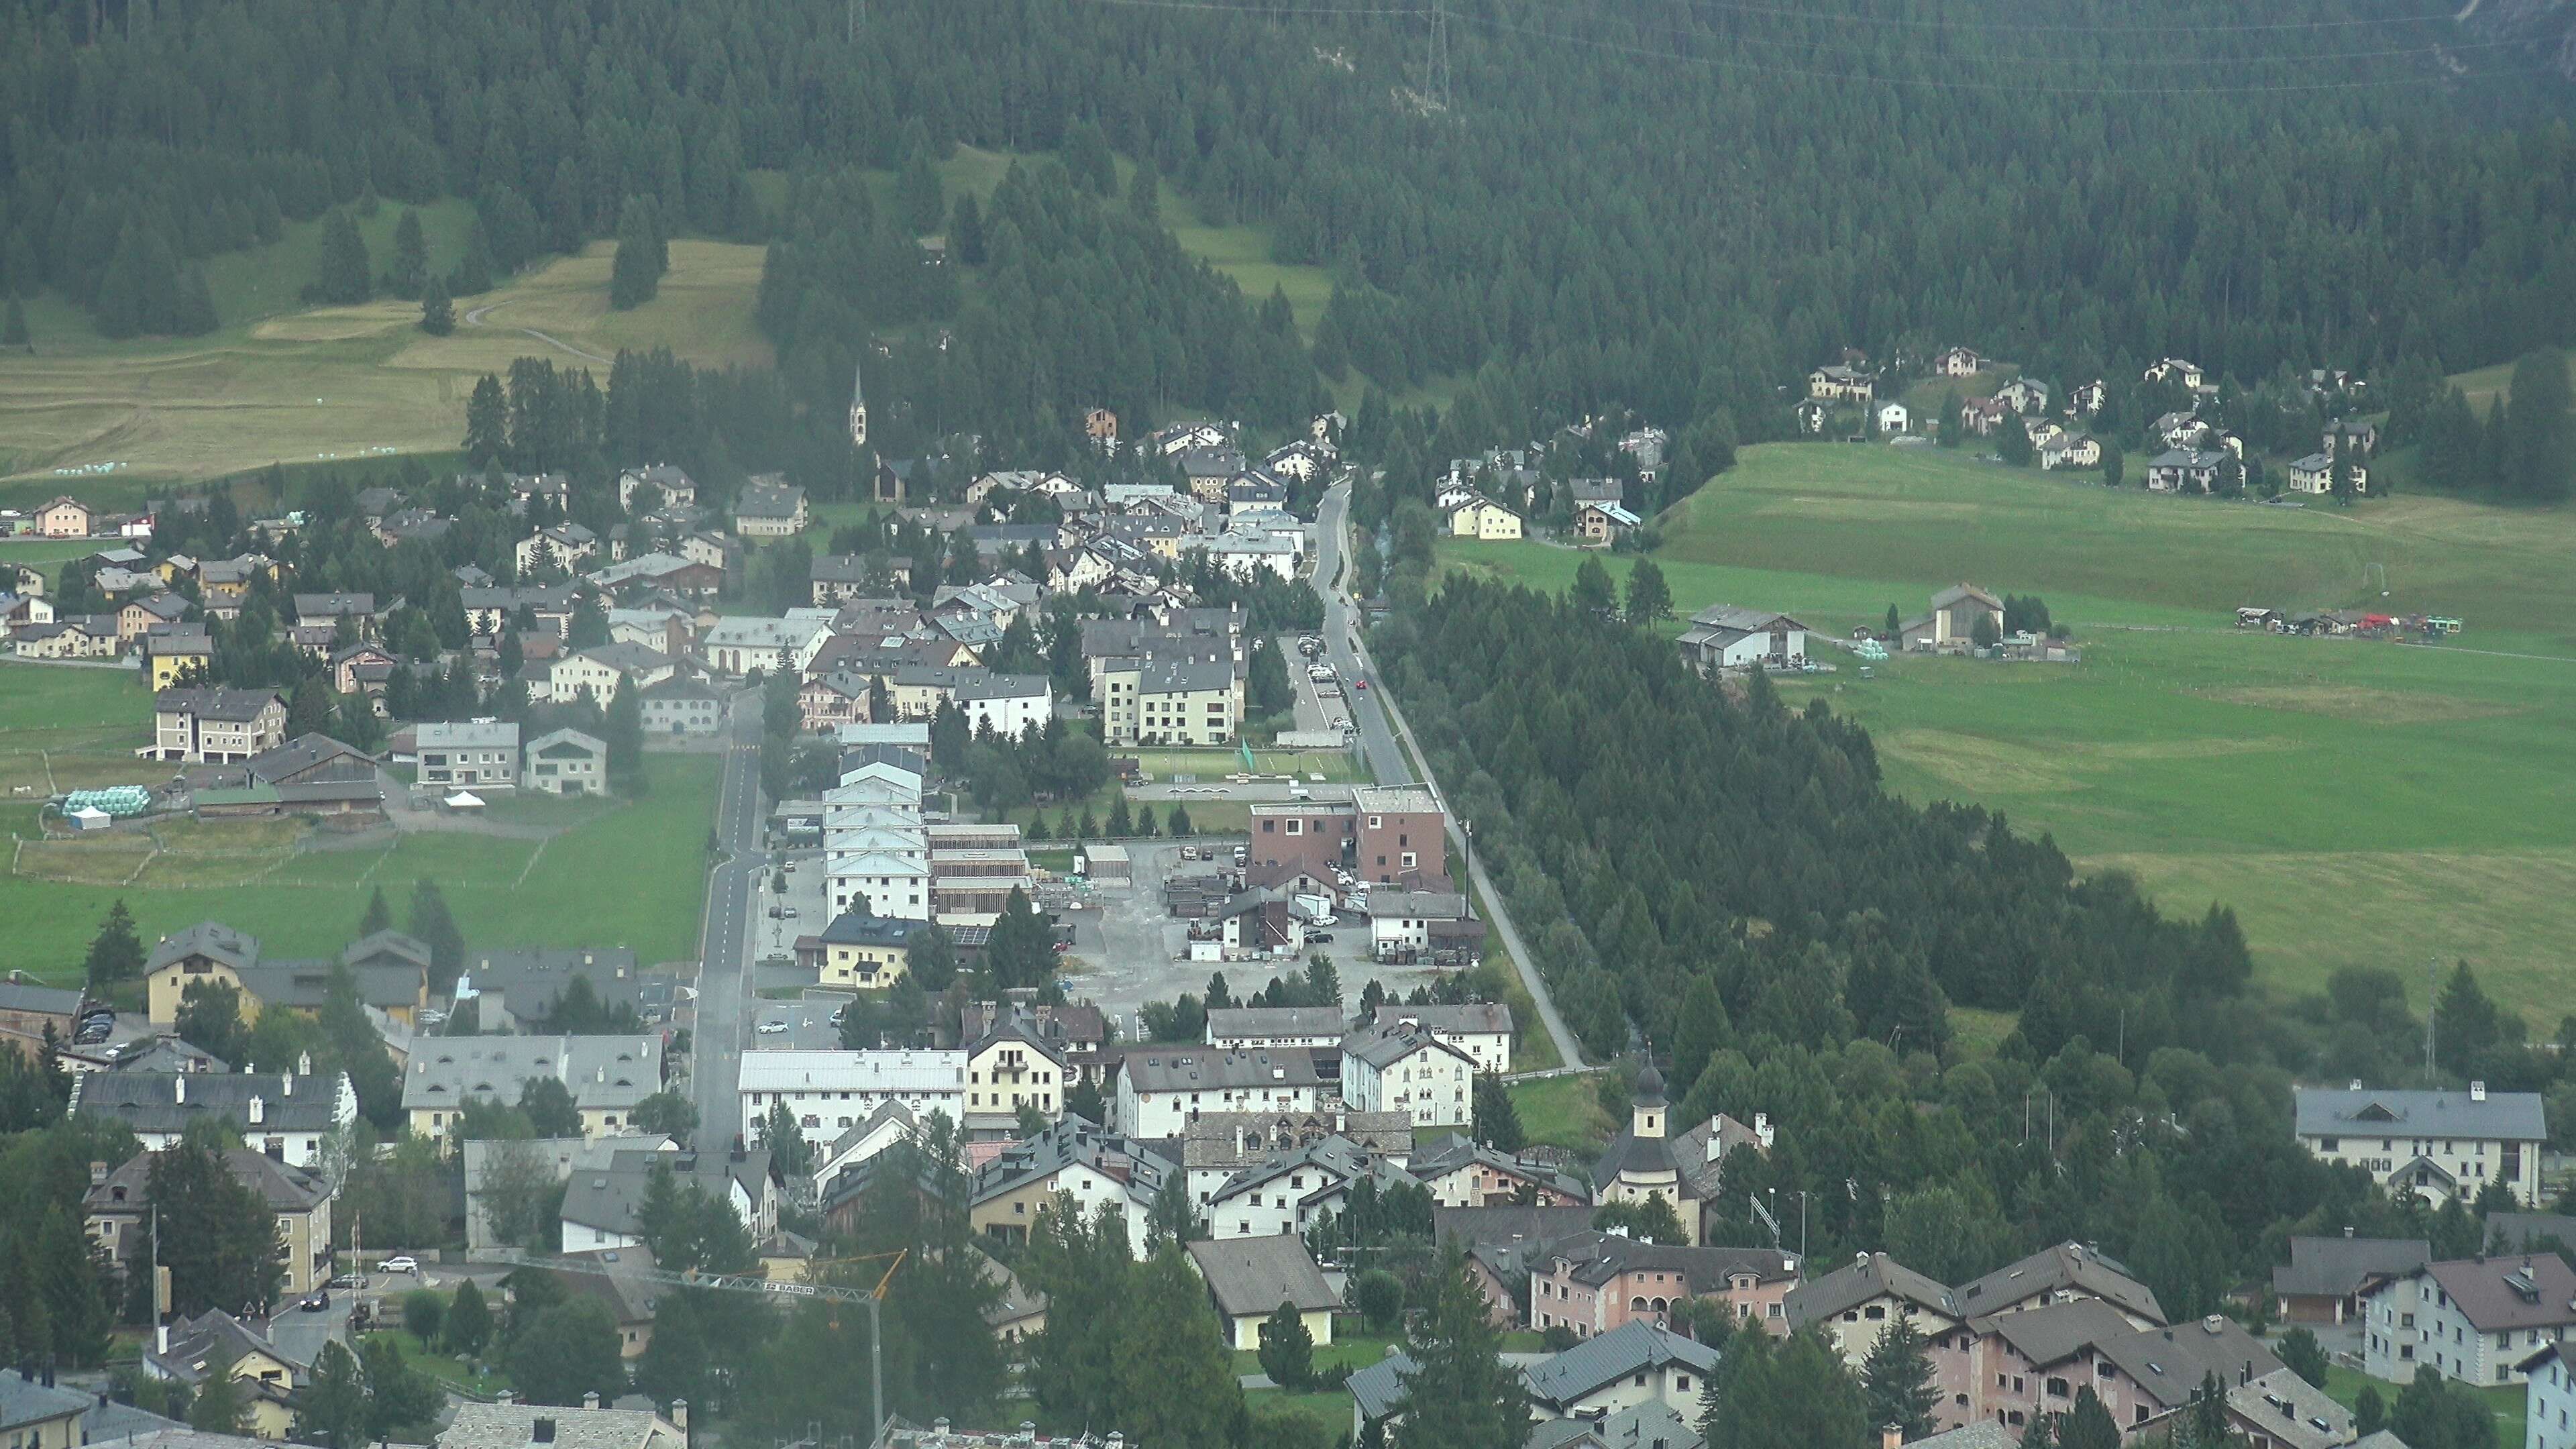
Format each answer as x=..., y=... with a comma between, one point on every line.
x=1435, y=78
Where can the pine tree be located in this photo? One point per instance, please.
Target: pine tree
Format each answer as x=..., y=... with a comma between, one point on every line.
x=473, y=274
x=2012, y=443
x=411, y=256
x=1592, y=589
x=487, y=422
x=1460, y=1395
x=437, y=313
x=2088, y=1425
x=332, y=1409
x=1896, y=1380
x=2538, y=453
x=218, y=1407
x=2115, y=465
x=1650, y=599
x=378, y=917
x=635, y=274
x=116, y=952
x=468, y=1325
x=1145, y=194
x=1497, y=1119
x=966, y=231
x=917, y=196
x=344, y=276
x=1287, y=1352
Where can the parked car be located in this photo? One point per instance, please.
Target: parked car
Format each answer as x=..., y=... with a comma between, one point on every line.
x=1321, y=938
x=400, y=1263
x=345, y=1280
x=772, y=1027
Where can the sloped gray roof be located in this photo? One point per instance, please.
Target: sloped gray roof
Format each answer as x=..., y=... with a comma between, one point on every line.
x=1633, y=1347
x=1851, y=1286
x=1256, y=1275
x=1379, y=1389
x=25, y=1401
x=2337, y=1267
x=165, y=1102
x=2368, y=1112
x=2065, y=1266
x=1229, y=1022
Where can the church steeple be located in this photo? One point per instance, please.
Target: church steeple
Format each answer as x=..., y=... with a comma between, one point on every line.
x=1646, y=1114
x=859, y=402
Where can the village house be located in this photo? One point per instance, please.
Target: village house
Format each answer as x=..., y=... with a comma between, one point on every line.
x=2475, y=1320
x=676, y=487
x=1981, y=415
x=2437, y=1145
x=566, y=762
x=216, y=725
x=292, y=1117
x=600, y=673
x=483, y=754
x=1957, y=362
x=607, y=1076
x=1219, y=1147
x=1852, y=1304
x=29, y=1012
x=190, y=1351
x=1077, y=1159
x=832, y=1091
x=531, y=1426
x=1602, y=522
x=1413, y=925
x=1597, y=1283
x=1893, y=417
x=1237, y=1028
x=2549, y=1397
x=1460, y=1172
x=746, y=644
x=177, y=654
x=1402, y=1067
x=1161, y=1088
x=1951, y=626
x=389, y=969
x=2362, y=435
x=1249, y=1278
x=2313, y=474
x=117, y=1211
x=140, y=616
x=603, y=1202
x=769, y=508
x=682, y=706
x=1625, y=1368
x=1010, y=1070
x=2323, y=1281
x=2175, y=369
x=1723, y=636
x=76, y=636
x=564, y=547
x=1837, y=383
x=2024, y=395
x=65, y=517
x=1481, y=1029
x=1289, y=1193
x=2184, y=470
x=2085, y=399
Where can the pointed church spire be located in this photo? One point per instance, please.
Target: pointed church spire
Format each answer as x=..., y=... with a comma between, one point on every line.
x=859, y=401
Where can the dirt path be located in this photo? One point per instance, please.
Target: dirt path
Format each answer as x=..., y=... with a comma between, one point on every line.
x=474, y=318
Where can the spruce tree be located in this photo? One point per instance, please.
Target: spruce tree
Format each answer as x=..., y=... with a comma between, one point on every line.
x=437, y=314
x=966, y=231
x=635, y=274
x=411, y=256
x=196, y=316
x=1896, y=1380
x=917, y=195
x=344, y=276
x=116, y=952
x=473, y=274
x=1460, y=1394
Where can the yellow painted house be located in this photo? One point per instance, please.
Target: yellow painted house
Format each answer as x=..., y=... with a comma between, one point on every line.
x=390, y=969
x=860, y=950
x=1484, y=519
x=215, y=1342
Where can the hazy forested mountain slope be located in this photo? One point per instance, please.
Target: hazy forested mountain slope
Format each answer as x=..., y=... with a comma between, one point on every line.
x=1674, y=204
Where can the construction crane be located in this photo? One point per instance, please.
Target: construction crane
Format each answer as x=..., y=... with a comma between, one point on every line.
x=752, y=1283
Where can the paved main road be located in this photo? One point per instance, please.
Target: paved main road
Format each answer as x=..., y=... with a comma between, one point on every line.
x=733, y=895
x=1379, y=723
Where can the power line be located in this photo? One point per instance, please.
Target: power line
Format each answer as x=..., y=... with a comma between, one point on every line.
x=1946, y=23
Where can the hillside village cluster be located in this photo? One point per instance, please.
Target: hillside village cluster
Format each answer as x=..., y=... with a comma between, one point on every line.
x=1277, y=1136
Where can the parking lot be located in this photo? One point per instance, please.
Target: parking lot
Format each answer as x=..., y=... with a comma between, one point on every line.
x=1131, y=950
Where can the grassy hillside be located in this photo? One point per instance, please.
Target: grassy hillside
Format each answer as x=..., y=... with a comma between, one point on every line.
x=2357, y=803
x=333, y=382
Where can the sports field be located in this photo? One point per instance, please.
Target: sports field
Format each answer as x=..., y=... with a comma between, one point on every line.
x=2355, y=802
x=627, y=874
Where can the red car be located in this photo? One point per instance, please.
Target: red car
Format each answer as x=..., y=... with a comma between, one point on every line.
x=1360, y=684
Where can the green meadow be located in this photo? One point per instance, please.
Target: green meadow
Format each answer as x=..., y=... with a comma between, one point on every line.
x=615, y=874
x=2356, y=803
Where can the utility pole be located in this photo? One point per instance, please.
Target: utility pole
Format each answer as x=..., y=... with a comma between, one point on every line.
x=2432, y=1009
x=1436, y=76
